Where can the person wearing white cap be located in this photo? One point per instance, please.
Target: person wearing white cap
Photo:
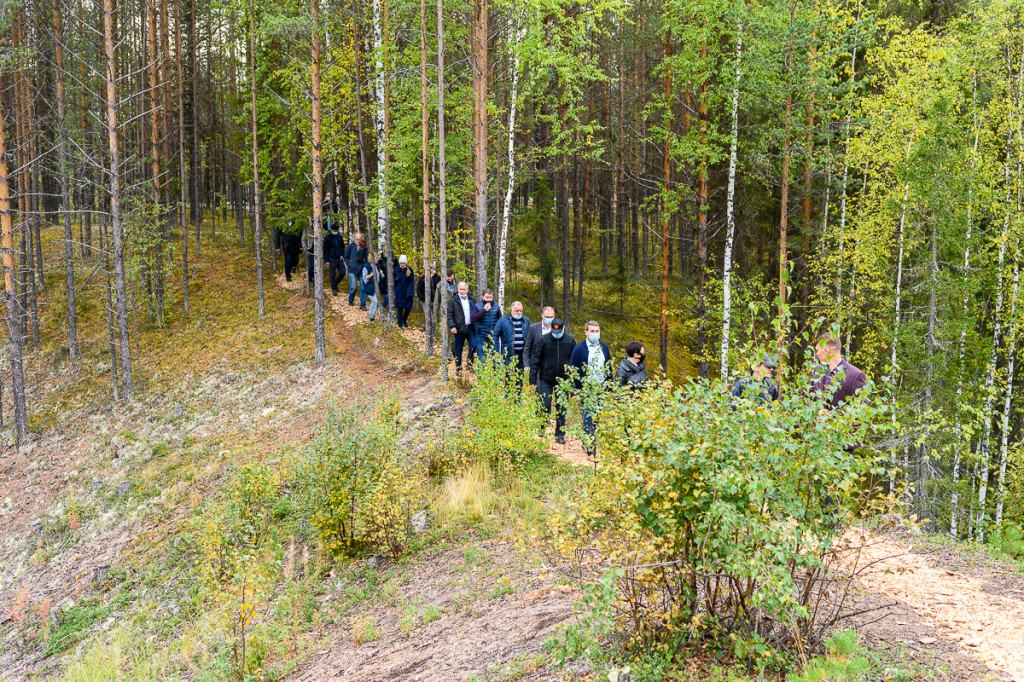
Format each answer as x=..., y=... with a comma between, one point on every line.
x=405, y=290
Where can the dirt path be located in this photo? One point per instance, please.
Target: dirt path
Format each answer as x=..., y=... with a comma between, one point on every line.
x=943, y=608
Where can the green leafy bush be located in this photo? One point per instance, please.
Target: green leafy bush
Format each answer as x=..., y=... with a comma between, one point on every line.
x=721, y=517
x=356, y=485
x=502, y=421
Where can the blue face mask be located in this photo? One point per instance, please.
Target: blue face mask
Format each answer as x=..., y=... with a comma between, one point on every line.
x=517, y=317
x=557, y=335
x=594, y=338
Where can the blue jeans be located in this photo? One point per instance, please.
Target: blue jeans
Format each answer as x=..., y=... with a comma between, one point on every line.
x=291, y=264
x=590, y=430
x=373, y=306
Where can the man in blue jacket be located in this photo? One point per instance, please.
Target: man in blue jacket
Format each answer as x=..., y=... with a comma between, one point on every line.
x=591, y=363
x=334, y=252
x=405, y=290
x=510, y=336
x=356, y=255
x=485, y=318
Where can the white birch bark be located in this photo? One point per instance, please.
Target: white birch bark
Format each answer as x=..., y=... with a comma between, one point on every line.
x=896, y=329
x=506, y=213
x=1011, y=359
x=731, y=211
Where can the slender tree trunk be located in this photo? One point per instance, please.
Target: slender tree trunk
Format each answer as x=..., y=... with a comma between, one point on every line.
x=507, y=209
x=428, y=293
x=480, y=76
x=9, y=293
x=666, y=258
x=703, y=359
x=195, y=171
x=257, y=233
x=318, y=191
x=784, y=216
x=730, y=210
x=893, y=364
x=442, y=169
x=65, y=198
x=120, y=290
x=1011, y=360
x=378, y=120
x=180, y=83
x=154, y=146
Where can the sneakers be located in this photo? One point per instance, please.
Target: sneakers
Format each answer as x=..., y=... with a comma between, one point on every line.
x=560, y=440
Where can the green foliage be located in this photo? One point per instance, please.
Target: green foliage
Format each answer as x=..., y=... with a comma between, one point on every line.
x=502, y=421
x=1009, y=539
x=356, y=485
x=844, y=662
x=713, y=515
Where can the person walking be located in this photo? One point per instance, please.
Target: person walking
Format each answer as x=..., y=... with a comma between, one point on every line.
x=309, y=246
x=422, y=283
x=290, y=244
x=460, y=323
x=405, y=290
x=329, y=207
x=632, y=372
x=590, y=361
x=553, y=354
x=485, y=318
x=382, y=282
x=759, y=386
x=356, y=255
x=842, y=380
x=510, y=337
x=334, y=254
x=534, y=335
x=368, y=282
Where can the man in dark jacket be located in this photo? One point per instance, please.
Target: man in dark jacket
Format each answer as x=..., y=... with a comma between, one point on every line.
x=460, y=323
x=591, y=362
x=485, y=318
x=632, y=372
x=759, y=385
x=850, y=379
x=510, y=336
x=289, y=243
x=334, y=254
x=553, y=353
x=329, y=207
x=405, y=289
x=534, y=335
x=421, y=292
x=356, y=254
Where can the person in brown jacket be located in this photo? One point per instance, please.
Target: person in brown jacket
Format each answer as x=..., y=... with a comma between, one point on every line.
x=828, y=350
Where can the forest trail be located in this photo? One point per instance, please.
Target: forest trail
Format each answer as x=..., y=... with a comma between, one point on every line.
x=944, y=605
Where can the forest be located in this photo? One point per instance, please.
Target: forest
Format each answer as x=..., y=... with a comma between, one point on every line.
x=714, y=179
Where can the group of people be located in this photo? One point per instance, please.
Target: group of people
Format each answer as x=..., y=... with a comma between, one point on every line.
x=543, y=351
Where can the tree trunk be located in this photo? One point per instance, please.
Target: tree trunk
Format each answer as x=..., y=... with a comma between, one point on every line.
x=893, y=366
x=180, y=84
x=120, y=290
x=442, y=169
x=154, y=146
x=9, y=294
x=320, y=341
x=665, y=222
x=1011, y=360
x=194, y=173
x=784, y=216
x=65, y=198
x=257, y=233
x=507, y=209
x=703, y=360
x=480, y=76
x=428, y=293
x=730, y=211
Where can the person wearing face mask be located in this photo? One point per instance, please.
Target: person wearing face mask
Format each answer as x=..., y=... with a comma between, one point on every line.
x=460, y=323
x=632, y=372
x=369, y=282
x=590, y=361
x=534, y=335
x=405, y=289
x=510, y=336
x=485, y=318
x=334, y=254
x=553, y=353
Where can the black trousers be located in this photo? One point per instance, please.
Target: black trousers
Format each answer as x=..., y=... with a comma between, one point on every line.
x=336, y=271
x=291, y=264
x=546, y=391
x=403, y=316
x=461, y=340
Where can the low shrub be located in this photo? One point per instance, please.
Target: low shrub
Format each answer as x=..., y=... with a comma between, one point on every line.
x=503, y=420
x=356, y=485
x=715, y=518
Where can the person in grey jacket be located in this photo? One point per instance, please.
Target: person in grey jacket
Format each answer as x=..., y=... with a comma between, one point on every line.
x=536, y=334
x=632, y=372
